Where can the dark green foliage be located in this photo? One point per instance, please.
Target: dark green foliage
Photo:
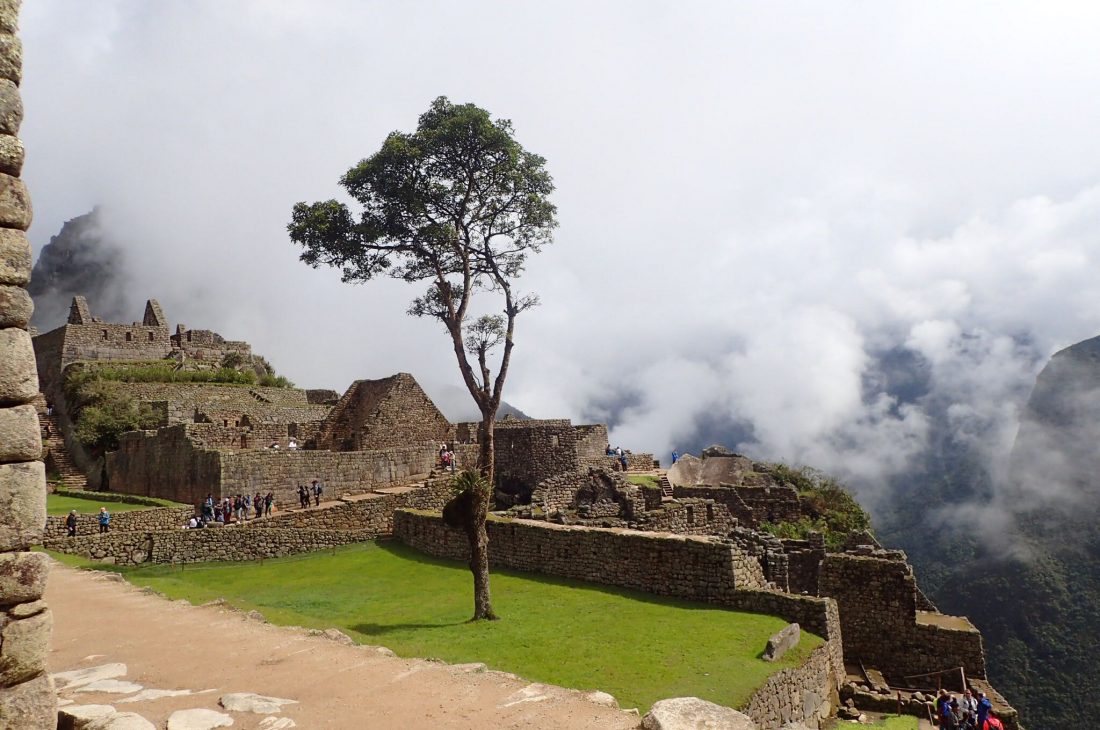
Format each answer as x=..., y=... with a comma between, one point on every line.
x=106, y=413
x=827, y=506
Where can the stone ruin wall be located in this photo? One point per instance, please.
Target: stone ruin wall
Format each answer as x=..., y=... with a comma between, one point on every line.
x=802, y=694
x=592, y=440
x=751, y=505
x=881, y=623
x=693, y=568
x=142, y=520
x=27, y=698
x=529, y=452
x=169, y=464
x=207, y=545
x=634, y=461
x=689, y=517
x=381, y=414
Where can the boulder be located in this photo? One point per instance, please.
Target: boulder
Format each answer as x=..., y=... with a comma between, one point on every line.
x=120, y=721
x=198, y=719
x=24, y=645
x=602, y=698
x=22, y=502
x=20, y=437
x=75, y=717
x=18, y=371
x=32, y=704
x=782, y=642
x=16, y=307
x=250, y=702
x=11, y=105
x=22, y=577
x=112, y=686
x=15, y=203
x=11, y=162
x=80, y=677
x=15, y=250
x=692, y=713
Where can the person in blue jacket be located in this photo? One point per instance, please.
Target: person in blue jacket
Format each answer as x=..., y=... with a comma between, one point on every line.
x=104, y=520
x=984, y=707
x=675, y=456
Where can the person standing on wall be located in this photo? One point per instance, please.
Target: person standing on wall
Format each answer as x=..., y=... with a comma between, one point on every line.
x=104, y=520
x=675, y=455
x=70, y=524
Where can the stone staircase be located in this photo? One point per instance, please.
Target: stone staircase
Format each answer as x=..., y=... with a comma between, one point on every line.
x=666, y=487
x=58, y=459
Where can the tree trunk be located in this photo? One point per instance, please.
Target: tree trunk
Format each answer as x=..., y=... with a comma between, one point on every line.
x=477, y=509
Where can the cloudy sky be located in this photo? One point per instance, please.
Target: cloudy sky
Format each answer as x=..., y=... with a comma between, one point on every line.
x=756, y=199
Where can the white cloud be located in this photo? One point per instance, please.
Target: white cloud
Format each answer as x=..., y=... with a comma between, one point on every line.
x=754, y=201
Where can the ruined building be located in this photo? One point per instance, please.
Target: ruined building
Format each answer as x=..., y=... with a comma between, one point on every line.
x=224, y=439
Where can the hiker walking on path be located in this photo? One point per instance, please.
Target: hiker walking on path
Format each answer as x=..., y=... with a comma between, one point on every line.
x=269, y=500
x=104, y=520
x=318, y=490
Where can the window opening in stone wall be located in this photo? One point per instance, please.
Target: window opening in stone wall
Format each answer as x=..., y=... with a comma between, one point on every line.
x=691, y=515
x=106, y=336
x=710, y=513
x=129, y=336
x=150, y=336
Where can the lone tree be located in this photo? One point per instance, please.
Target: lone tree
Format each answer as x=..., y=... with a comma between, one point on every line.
x=458, y=204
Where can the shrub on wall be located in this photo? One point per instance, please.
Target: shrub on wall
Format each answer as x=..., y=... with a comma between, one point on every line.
x=827, y=506
x=106, y=413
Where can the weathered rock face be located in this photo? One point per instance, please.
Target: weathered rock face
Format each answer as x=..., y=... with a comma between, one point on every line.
x=27, y=698
x=80, y=260
x=692, y=713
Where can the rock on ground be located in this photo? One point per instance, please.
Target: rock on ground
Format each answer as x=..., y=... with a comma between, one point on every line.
x=782, y=642
x=198, y=719
x=692, y=713
x=120, y=721
x=80, y=677
x=249, y=702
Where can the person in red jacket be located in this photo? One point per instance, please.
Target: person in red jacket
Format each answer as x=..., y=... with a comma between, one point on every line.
x=993, y=722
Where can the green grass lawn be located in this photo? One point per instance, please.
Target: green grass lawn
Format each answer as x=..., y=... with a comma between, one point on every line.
x=639, y=647
x=59, y=505
x=903, y=722
x=644, y=480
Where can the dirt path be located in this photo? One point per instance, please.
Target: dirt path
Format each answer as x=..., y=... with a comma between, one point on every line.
x=173, y=645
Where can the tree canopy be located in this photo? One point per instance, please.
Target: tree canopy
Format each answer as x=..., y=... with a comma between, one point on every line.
x=460, y=204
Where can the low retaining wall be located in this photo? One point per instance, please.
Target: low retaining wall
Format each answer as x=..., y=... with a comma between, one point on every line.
x=372, y=512
x=806, y=694
x=670, y=565
x=201, y=546
x=144, y=520
x=694, y=568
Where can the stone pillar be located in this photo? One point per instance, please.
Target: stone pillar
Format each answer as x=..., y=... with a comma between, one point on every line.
x=27, y=698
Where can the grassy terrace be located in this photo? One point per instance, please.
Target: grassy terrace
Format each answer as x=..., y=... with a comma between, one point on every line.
x=57, y=504
x=639, y=647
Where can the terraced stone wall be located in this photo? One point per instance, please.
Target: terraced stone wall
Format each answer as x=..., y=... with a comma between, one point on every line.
x=27, y=698
x=882, y=626
x=207, y=545
x=143, y=520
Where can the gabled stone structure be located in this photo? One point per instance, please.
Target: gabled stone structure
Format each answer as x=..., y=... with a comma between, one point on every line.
x=86, y=337
x=380, y=414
